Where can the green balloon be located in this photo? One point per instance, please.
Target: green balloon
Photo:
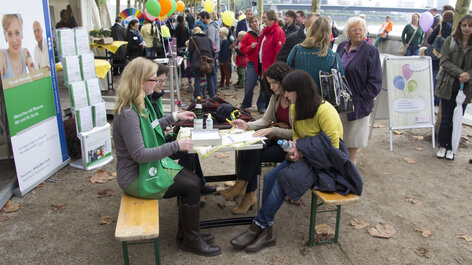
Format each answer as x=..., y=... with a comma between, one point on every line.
x=412, y=85
x=153, y=8
x=173, y=8
x=101, y=1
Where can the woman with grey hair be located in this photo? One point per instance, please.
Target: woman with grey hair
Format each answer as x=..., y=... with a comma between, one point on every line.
x=361, y=64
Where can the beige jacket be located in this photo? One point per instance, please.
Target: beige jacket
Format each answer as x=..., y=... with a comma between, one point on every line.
x=269, y=117
x=147, y=34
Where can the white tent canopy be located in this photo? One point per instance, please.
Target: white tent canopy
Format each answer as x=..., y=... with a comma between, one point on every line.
x=86, y=13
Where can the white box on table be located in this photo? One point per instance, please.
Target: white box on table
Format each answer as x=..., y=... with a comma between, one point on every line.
x=206, y=137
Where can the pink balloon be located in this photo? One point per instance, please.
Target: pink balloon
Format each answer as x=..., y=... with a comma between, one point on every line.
x=407, y=73
x=426, y=21
x=149, y=16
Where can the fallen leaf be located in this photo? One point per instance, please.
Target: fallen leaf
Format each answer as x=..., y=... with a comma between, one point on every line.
x=424, y=232
x=358, y=224
x=418, y=137
x=410, y=160
x=101, y=176
x=58, y=207
x=387, y=173
x=422, y=252
x=470, y=168
x=229, y=183
x=324, y=232
x=5, y=217
x=298, y=203
x=378, y=126
x=382, y=230
x=113, y=174
x=277, y=261
x=419, y=148
x=221, y=205
x=221, y=155
x=106, y=220
x=105, y=193
x=41, y=184
x=10, y=207
x=397, y=132
x=464, y=236
x=411, y=199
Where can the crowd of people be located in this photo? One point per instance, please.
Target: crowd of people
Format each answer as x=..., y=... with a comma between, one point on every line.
x=287, y=60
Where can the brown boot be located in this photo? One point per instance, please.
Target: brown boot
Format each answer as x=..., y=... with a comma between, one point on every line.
x=192, y=240
x=265, y=239
x=249, y=200
x=238, y=188
x=209, y=238
x=247, y=237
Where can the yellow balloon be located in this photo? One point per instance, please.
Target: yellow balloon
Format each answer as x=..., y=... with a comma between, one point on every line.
x=209, y=6
x=241, y=17
x=228, y=18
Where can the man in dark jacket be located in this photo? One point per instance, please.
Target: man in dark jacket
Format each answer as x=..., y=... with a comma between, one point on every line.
x=295, y=38
x=118, y=32
x=243, y=24
x=290, y=25
x=189, y=18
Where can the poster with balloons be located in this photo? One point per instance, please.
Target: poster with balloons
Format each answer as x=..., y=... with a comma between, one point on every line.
x=410, y=91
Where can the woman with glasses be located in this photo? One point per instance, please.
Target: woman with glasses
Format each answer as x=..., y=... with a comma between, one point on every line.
x=143, y=167
x=361, y=64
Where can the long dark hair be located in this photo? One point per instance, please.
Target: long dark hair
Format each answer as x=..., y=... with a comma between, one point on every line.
x=276, y=71
x=308, y=99
x=457, y=34
x=131, y=23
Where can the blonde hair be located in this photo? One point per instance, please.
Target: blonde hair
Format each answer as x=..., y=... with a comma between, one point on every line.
x=130, y=89
x=241, y=34
x=196, y=30
x=8, y=19
x=224, y=31
x=318, y=35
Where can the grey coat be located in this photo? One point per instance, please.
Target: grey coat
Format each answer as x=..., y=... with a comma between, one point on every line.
x=452, y=58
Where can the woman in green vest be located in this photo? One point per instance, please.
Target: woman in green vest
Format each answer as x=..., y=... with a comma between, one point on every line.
x=143, y=167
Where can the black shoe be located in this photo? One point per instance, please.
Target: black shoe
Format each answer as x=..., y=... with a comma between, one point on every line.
x=470, y=161
x=246, y=238
x=205, y=189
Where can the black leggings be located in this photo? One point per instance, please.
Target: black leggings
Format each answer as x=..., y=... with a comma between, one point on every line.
x=186, y=186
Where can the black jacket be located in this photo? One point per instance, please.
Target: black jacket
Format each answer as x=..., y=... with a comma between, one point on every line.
x=181, y=34
x=292, y=39
x=323, y=167
x=134, y=40
x=292, y=28
x=204, y=45
x=118, y=32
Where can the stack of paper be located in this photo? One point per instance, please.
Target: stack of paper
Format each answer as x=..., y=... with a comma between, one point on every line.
x=78, y=95
x=94, y=94
x=66, y=42
x=84, y=119
x=87, y=66
x=99, y=114
x=81, y=41
x=72, y=69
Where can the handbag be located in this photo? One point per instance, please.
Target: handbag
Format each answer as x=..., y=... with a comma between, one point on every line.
x=279, y=124
x=206, y=63
x=434, y=51
x=335, y=89
x=402, y=50
x=156, y=43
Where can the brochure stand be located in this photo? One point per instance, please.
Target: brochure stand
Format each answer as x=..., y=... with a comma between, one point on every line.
x=87, y=105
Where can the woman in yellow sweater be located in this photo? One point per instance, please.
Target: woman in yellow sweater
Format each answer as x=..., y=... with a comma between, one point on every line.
x=311, y=115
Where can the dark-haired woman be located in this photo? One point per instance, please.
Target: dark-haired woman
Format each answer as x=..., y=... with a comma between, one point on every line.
x=455, y=68
x=310, y=116
x=278, y=112
x=135, y=40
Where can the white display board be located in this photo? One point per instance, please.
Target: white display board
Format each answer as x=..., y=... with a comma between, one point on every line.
x=409, y=82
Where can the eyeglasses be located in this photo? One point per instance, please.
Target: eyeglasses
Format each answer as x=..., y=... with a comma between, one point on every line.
x=159, y=81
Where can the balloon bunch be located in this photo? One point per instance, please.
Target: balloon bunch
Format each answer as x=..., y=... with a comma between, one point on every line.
x=400, y=81
x=161, y=9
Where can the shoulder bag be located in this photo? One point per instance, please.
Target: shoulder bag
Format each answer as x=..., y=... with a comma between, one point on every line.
x=335, y=89
x=206, y=63
x=402, y=50
x=434, y=51
x=156, y=43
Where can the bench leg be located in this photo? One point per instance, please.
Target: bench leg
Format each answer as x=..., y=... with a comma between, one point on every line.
x=156, y=251
x=338, y=220
x=312, y=219
x=125, y=252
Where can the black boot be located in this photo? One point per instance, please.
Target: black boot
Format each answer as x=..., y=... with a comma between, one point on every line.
x=247, y=237
x=192, y=240
x=209, y=238
x=265, y=239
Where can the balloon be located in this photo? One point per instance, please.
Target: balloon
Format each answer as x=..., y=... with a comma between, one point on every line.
x=162, y=20
x=153, y=8
x=426, y=21
x=149, y=16
x=241, y=17
x=180, y=6
x=209, y=6
x=101, y=1
x=166, y=5
x=173, y=8
x=407, y=73
x=399, y=82
x=228, y=18
x=412, y=85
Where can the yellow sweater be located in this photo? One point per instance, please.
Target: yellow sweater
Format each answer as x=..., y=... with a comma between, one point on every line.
x=326, y=119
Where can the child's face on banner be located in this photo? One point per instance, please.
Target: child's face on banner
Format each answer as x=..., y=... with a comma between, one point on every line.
x=14, y=35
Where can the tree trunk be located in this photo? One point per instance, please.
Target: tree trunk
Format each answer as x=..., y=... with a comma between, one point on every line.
x=217, y=10
x=315, y=6
x=232, y=5
x=117, y=7
x=462, y=8
x=129, y=3
x=260, y=9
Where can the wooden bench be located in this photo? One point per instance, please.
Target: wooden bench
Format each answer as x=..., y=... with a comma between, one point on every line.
x=329, y=199
x=138, y=220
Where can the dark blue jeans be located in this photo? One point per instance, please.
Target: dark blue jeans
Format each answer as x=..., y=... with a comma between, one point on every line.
x=272, y=197
x=445, y=127
x=413, y=50
x=251, y=82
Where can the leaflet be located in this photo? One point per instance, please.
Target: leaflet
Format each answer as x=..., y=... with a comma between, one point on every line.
x=78, y=95
x=94, y=93
x=81, y=41
x=87, y=66
x=72, y=69
x=84, y=119
x=99, y=113
x=65, y=42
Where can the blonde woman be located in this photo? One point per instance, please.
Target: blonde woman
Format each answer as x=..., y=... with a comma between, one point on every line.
x=313, y=54
x=14, y=60
x=413, y=36
x=142, y=154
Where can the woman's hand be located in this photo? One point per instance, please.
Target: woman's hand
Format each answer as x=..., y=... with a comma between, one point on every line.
x=253, y=45
x=262, y=132
x=185, y=144
x=186, y=115
x=464, y=77
x=240, y=124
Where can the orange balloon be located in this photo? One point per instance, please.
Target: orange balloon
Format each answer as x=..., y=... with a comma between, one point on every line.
x=166, y=6
x=180, y=6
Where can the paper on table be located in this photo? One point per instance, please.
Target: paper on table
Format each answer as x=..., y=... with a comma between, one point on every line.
x=244, y=137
